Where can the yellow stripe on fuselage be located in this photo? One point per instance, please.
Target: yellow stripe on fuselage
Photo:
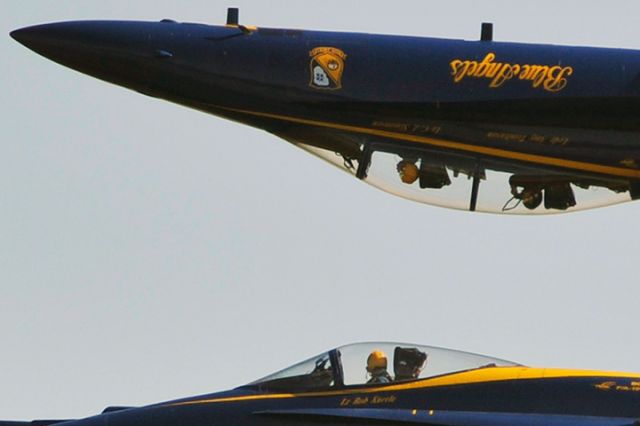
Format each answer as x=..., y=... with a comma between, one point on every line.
x=494, y=152
x=497, y=374
x=483, y=375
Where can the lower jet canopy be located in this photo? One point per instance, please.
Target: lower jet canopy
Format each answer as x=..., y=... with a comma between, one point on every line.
x=473, y=125
x=399, y=383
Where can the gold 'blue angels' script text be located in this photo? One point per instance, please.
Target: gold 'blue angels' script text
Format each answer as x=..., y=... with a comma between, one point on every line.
x=552, y=78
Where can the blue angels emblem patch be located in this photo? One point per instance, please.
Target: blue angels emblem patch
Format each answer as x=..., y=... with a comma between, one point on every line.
x=327, y=66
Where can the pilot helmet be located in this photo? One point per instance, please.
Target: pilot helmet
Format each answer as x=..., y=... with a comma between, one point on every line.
x=408, y=171
x=377, y=359
x=532, y=198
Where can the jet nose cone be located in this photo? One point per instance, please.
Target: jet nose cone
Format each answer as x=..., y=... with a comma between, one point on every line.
x=50, y=40
x=34, y=37
x=46, y=40
x=110, y=50
x=17, y=35
x=24, y=35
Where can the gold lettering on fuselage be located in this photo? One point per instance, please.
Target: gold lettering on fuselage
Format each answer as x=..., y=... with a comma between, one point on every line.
x=527, y=138
x=630, y=162
x=417, y=128
x=365, y=400
x=614, y=386
x=383, y=399
x=552, y=78
x=360, y=400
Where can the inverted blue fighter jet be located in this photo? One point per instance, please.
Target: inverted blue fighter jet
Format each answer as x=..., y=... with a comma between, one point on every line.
x=474, y=125
x=399, y=384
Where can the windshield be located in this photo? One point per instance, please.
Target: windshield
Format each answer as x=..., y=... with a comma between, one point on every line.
x=375, y=364
x=314, y=373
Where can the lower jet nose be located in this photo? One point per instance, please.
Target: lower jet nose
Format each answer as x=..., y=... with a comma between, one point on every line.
x=21, y=36
x=24, y=34
x=112, y=51
x=48, y=40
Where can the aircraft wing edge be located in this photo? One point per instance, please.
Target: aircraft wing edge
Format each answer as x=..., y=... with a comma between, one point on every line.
x=451, y=418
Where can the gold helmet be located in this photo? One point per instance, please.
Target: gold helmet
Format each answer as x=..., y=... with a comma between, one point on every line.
x=377, y=359
x=408, y=171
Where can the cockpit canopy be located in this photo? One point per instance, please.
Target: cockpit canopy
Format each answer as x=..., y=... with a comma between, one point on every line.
x=352, y=365
x=463, y=183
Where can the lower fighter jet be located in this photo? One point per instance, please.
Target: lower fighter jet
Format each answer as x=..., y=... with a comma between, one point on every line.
x=396, y=384
x=477, y=125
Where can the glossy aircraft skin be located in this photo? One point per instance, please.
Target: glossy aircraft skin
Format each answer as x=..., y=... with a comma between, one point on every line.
x=498, y=393
x=545, y=121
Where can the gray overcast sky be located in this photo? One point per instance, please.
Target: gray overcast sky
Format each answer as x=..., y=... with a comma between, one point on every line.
x=149, y=252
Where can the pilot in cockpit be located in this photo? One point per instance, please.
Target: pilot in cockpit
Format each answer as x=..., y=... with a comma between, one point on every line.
x=408, y=171
x=377, y=368
x=408, y=363
x=432, y=174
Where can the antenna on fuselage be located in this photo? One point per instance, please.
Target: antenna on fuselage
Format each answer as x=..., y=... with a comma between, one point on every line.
x=233, y=16
x=487, y=32
x=233, y=20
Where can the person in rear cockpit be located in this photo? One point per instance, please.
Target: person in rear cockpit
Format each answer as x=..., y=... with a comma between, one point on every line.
x=377, y=368
x=408, y=171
